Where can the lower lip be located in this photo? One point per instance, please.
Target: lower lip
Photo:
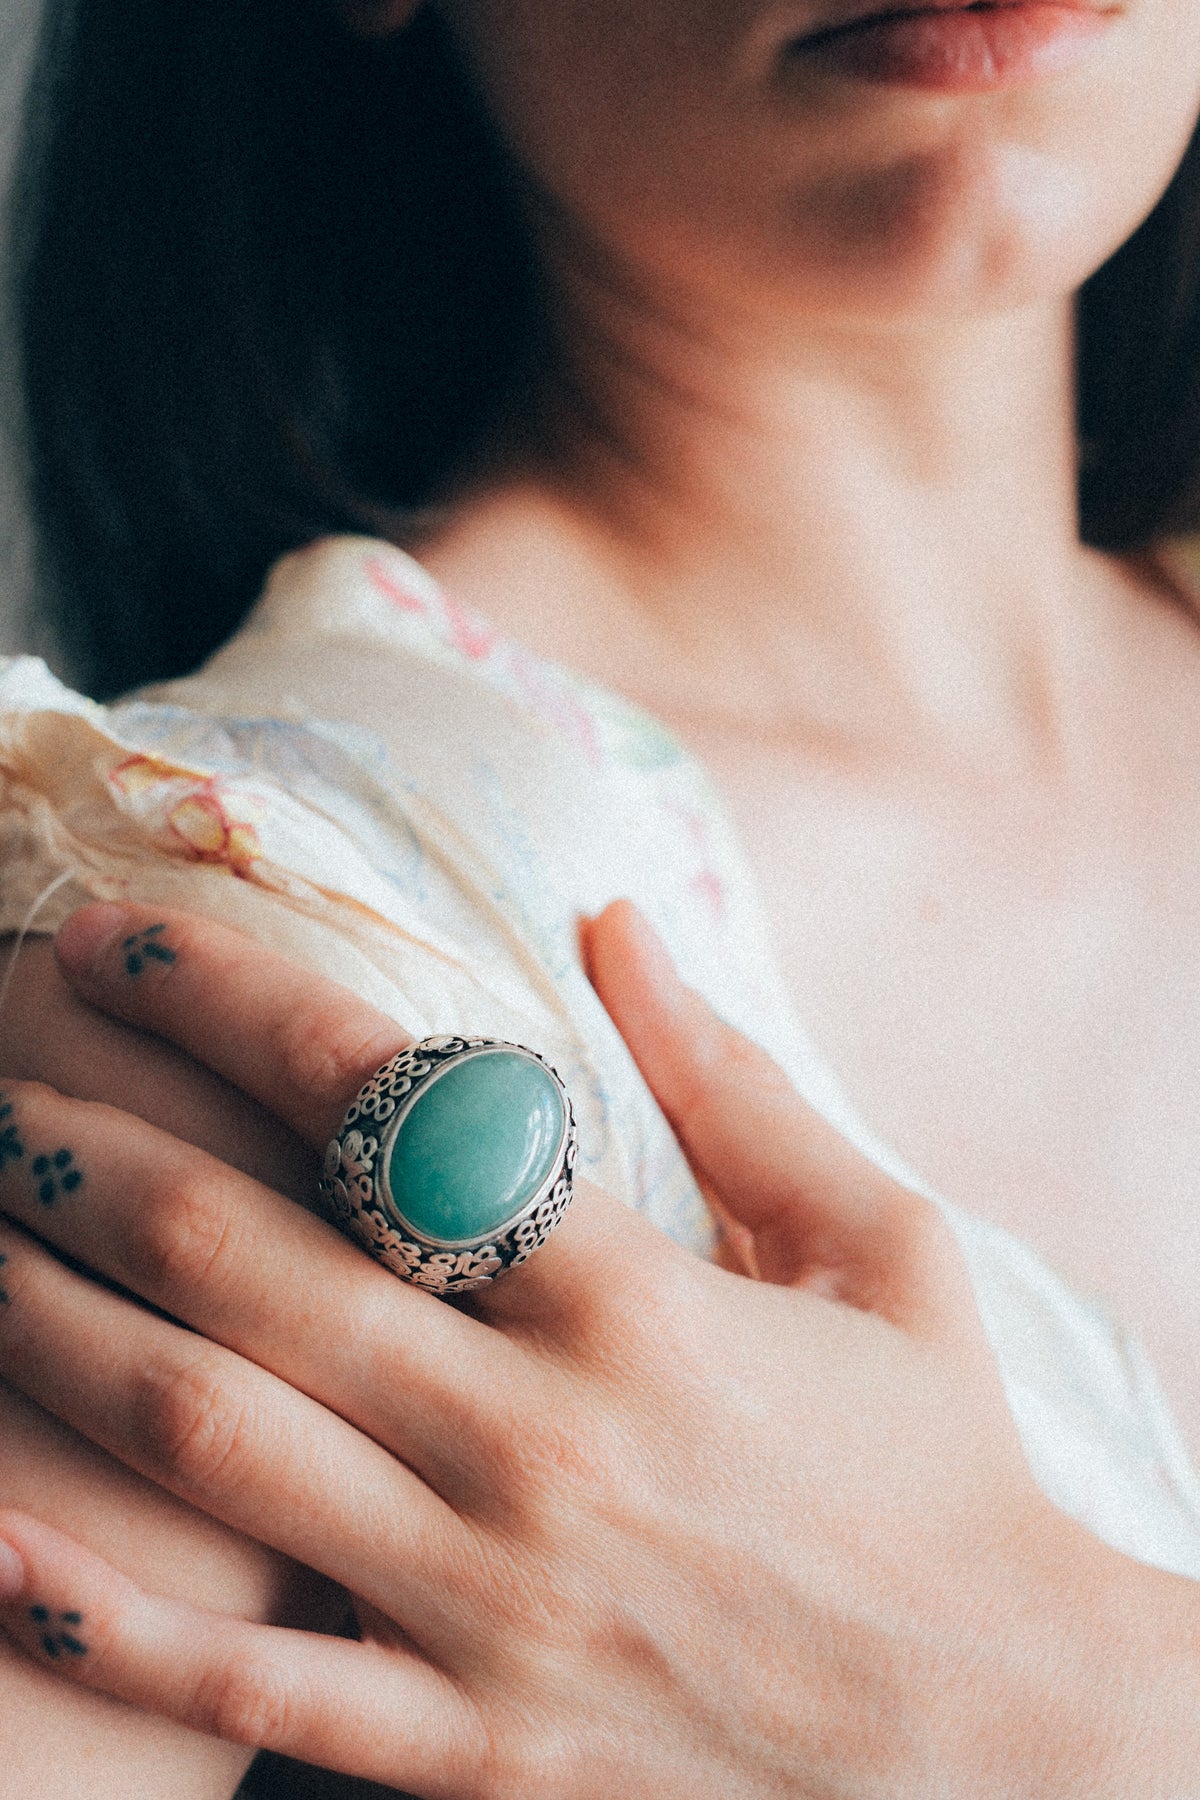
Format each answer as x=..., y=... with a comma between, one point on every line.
x=963, y=51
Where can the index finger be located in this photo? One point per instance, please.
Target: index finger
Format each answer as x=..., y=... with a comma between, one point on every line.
x=222, y=997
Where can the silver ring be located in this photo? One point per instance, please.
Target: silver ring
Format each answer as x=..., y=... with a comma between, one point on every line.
x=455, y=1161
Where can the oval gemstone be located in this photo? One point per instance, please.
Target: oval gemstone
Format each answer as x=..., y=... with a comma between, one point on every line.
x=476, y=1145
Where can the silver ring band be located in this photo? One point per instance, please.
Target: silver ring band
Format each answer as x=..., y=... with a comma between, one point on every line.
x=461, y=1222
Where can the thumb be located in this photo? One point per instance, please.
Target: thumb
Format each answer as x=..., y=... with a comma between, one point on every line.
x=819, y=1213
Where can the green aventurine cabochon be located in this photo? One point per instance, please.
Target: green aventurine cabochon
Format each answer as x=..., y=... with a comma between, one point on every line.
x=476, y=1145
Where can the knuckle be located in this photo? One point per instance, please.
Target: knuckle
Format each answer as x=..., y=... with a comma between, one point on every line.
x=246, y=1701
x=622, y=1272
x=27, y=1093
x=184, y=1235
x=527, y=1757
x=23, y=1107
x=644, y=1314
x=328, y=1051
x=558, y=1459
x=196, y=1433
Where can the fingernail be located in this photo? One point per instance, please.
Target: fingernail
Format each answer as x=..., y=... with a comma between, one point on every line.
x=12, y=1572
x=86, y=935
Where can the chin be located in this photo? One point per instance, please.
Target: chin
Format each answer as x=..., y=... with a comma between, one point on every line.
x=966, y=226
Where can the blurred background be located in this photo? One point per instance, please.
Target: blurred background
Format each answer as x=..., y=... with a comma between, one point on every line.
x=18, y=621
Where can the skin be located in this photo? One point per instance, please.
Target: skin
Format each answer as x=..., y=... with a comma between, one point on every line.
x=802, y=325
x=68, y=1740
x=622, y=1561
x=803, y=485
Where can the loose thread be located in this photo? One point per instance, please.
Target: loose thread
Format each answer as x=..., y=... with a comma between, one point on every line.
x=47, y=894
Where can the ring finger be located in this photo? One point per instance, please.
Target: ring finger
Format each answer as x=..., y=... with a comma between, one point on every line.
x=302, y=1046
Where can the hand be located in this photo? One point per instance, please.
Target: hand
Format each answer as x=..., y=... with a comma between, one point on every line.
x=628, y=1521
x=60, y=1738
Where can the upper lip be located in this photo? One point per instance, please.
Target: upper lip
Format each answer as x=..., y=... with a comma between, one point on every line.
x=851, y=13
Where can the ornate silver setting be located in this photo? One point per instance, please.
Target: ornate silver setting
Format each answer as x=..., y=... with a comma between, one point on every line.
x=358, y=1194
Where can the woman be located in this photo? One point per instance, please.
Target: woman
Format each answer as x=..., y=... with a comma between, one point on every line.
x=780, y=445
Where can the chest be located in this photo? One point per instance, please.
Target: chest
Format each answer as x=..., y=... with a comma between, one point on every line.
x=1009, y=989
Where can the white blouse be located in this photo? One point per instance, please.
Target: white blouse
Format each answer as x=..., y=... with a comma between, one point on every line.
x=374, y=781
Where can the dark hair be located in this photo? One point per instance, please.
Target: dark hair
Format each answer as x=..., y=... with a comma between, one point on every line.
x=271, y=282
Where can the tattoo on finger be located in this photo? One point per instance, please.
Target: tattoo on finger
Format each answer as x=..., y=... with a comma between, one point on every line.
x=146, y=946
x=54, y=1639
x=4, y=1299
x=11, y=1147
x=56, y=1176
x=55, y=1173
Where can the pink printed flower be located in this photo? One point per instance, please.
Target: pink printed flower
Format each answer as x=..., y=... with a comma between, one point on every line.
x=194, y=808
x=555, y=703
x=211, y=835
x=385, y=582
x=468, y=633
x=710, y=887
x=138, y=775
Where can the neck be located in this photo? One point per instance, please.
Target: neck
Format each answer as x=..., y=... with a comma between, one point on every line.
x=779, y=523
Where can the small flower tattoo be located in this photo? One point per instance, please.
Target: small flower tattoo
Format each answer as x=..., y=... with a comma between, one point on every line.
x=144, y=947
x=56, y=1176
x=54, y=1639
x=11, y=1147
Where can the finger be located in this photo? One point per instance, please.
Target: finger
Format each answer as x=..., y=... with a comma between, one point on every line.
x=260, y=1276
x=303, y=1046
x=380, y=1715
x=226, y=1436
x=820, y=1213
x=50, y=1034
x=299, y=1044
